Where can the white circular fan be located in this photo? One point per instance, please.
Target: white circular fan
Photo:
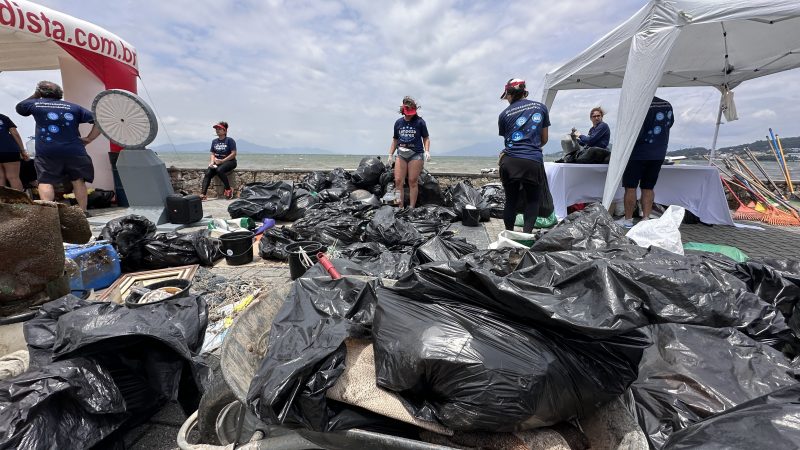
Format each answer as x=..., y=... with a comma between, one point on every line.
x=124, y=118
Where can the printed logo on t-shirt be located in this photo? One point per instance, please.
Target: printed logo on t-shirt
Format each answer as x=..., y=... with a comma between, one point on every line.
x=407, y=134
x=536, y=118
x=53, y=129
x=521, y=121
x=517, y=135
x=68, y=116
x=657, y=130
x=669, y=114
x=659, y=116
x=52, y=116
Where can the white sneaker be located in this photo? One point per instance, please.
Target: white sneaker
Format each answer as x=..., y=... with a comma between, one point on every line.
x=624, y=223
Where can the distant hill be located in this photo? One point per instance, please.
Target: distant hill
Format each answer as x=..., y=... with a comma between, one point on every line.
x=757, y=147
x=242, y=147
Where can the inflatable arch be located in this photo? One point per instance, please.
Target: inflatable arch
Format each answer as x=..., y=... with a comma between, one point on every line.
x=91, y=59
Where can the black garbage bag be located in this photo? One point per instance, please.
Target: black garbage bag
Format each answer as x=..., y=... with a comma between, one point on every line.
x=334, y=194
x=589, y=229
x=306, y=350
x=769, y=422
x=274, y=241
x=99, y=198
x=428, y=220
x=443, y=247
x=693, y=372
x=176, y=249
x=775, y=281
x=369, y=172
x=259, y=201
x=390, y=231
x=128, y=235
x=386, y=179
x=301, y=201
x=73, y=403
x=331, y=222
x=462, y=194
x=100, y=366
x=430, y=192
x=339, y=178
x=372, y=258
x=315, y=181
x=471, y=368
x=495, y=197
x=501, y=261
x=366, y=197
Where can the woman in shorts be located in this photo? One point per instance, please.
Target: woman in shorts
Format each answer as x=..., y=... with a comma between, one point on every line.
x=12, y=151
x=411, y=145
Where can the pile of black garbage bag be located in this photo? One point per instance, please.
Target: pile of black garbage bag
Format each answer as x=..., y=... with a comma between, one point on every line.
x=99, y=369
x=694, y=342
x=140, y=248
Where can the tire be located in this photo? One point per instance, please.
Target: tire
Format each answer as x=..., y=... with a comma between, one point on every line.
x=218, y=396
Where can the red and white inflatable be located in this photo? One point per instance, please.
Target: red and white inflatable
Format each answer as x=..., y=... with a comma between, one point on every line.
x=91, y=59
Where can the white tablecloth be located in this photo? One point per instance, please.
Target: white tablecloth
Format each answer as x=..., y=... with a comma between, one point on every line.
x=696, y=188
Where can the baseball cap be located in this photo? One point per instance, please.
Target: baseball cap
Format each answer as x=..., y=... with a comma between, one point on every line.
x=513, y=84
x=220, y=125
x=409, y=110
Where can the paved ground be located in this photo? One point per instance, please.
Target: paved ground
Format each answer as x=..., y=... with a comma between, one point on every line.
x=161, y=431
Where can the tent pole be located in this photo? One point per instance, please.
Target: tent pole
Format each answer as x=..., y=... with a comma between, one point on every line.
x=716, y=130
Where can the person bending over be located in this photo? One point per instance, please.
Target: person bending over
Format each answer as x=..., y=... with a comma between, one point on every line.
x=60, y=149
x=223, y=160
x=646, y=159
x=413, y=147
x=12, y=151
x=523, y=125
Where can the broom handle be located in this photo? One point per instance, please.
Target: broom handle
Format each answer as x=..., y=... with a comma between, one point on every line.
x=767, y=194
x=763, y=172
x=745, y=169
x=777, y=156
x=730, y=189
x=785, y=167
x=760, y=195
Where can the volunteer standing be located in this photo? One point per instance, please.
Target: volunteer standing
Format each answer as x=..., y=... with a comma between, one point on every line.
x=60, y=150
x=11, y=152
x=413, y=147
x=223, y=160
x=523, y=125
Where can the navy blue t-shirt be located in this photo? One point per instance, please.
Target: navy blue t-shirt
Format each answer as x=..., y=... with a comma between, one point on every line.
x=221, y=148
x=598, y=136
x=654, y=136
x=521, y=125
x=56, y=125
x=409, y=134
x=7, y=142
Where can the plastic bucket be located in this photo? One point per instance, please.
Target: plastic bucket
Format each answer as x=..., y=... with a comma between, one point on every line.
x=470, y=217
x=237, y=247
x=296, y=265
x=179, y=285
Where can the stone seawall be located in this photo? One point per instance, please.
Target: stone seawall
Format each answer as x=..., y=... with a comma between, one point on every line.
x=190, y=179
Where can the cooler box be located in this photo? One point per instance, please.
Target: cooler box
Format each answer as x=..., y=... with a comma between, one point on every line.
x=184, y=209
x=97, y=265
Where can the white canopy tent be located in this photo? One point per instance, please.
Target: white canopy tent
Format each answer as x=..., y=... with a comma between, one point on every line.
x=681, y=43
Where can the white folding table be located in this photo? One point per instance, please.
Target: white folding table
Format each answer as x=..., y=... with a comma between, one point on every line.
x=696, y=188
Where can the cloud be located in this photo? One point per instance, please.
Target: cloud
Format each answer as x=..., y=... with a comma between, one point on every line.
x=331, y=74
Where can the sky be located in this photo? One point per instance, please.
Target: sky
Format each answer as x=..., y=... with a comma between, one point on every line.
x=332, y=74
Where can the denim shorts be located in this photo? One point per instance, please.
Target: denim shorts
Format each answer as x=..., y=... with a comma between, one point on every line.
x=408, y=155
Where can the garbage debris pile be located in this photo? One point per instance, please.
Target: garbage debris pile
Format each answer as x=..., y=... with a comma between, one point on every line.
x=140, y=248
x=99, y=368
x=693, y=343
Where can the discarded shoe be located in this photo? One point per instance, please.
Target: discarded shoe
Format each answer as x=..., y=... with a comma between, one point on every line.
x=228, y=193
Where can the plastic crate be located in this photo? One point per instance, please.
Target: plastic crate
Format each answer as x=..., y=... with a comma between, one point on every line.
x=98, y=265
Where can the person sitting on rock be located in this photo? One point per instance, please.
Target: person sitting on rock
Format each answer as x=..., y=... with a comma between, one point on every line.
x=223, y=160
